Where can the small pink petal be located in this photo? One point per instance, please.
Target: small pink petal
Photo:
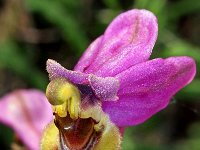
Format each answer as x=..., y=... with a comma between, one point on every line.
x=55, y=70
x=147, y=88
x=104, y=88
x=27, y=112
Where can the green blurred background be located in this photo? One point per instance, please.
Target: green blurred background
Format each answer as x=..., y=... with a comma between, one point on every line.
x=31, y=31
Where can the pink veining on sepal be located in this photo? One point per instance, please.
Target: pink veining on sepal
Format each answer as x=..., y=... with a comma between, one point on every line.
x=27, y=112
x=128, y=40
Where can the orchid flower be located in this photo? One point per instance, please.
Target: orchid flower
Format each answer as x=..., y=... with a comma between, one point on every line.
x=113, y=85
x=114, y=74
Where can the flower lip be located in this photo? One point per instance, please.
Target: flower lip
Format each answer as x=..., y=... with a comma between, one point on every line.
x=76, y=134
x=79, y=127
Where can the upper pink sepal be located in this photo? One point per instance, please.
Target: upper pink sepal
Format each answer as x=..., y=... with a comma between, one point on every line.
x=127, y=41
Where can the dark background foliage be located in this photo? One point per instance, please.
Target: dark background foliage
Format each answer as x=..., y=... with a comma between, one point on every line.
x=31, y=31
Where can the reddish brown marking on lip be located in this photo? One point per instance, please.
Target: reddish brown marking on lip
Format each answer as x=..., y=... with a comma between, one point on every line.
x=75, y=133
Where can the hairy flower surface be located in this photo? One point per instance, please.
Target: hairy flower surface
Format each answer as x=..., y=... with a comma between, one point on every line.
x=116, y=68
x=116, y=74
x=113, y=85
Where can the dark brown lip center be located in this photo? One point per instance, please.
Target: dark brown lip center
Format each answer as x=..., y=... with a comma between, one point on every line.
x=75, y=134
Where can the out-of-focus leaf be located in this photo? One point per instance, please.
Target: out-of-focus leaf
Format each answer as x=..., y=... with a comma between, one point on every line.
x=191, y=143
x=6, y=137
x=178, y=47
x=155, y=6
x=128, y=143
x=56, y=13
x=71, y=5
x=141, y=3
x=106, y=15
x=190, y=92
x=114, y=4
x=183, y=7
x=12, y=58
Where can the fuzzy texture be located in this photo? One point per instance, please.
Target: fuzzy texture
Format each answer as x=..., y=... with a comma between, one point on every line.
x=116, y=71
x=130, y=87
x=128, y=40
x=27, y=112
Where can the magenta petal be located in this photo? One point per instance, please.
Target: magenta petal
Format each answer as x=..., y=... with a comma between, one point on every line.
x=55, y=70
x=128, y=40
x=147, y=88
x=105, y=88
x=89, y=55
x=27, y=112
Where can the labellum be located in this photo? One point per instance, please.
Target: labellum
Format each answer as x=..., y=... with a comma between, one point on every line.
x=77, y=125
x=76, y=134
